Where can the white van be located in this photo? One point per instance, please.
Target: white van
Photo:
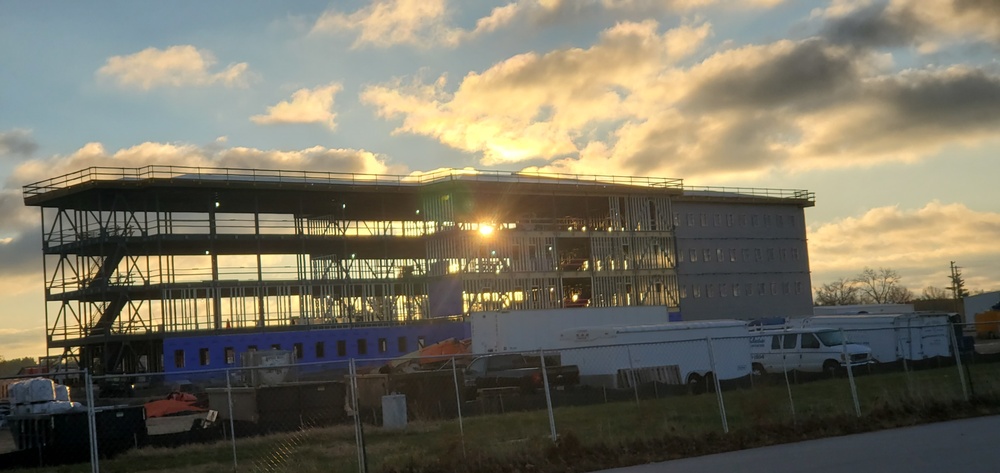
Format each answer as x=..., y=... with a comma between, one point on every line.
x=808, y=350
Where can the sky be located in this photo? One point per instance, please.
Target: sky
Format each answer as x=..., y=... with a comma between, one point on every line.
x=888, y=110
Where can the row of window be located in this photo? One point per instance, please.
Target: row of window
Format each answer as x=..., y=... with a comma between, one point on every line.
x=745, y=255
x=737, y=289
x=229, y=353
x=693, y=219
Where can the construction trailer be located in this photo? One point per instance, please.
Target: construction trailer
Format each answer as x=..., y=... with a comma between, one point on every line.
x=633, y=345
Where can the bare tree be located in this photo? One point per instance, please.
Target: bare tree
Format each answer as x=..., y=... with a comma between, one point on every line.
x=878, y=286
x=840, y=292
x=931, y=293
x=900, y=295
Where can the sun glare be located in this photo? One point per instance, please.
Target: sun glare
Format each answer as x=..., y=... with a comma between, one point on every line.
x=485, y=229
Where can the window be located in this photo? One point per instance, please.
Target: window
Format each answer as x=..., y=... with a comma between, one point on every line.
x=736, y=289
x=320, y=350
x=744, y=220
x=748, y=289
x=251, y=348
x=809, y=341
x=755, y=219
x=774, y=289
x=767, y=220
x=718, y=220
x=680, y=256
x=720, y=255
x=697, y=290
x=230, y=355
x=786, y=288
x=178, y=358
x=761, y=289
x=297, y=348
x=383, y=345
x=341, y=348
x=693, y=255
x=401, y=344
x=690, y=220
x=746, y=254
x=729, y=220
x=203, y=357
x=723, y=290
x=789, y=341
x=758, y=255
x=421, y=341
x=276, y=346
x=684, y=291
x=677, y=219
x=362, y=346
x=798, y=287
x=795, y=254
x=732, y=255
x=770, y=254
x=791, y=220
x=710, y=291
x=781, y=220
x=704, y=220
x=776, y=343
x=784, y=254
x=706, y=254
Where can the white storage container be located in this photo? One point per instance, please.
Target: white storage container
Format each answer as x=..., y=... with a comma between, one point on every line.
x=62, y=393
x=41, y=390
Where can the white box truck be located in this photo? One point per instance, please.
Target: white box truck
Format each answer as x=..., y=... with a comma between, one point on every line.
x=610, y=352
x=912, y=337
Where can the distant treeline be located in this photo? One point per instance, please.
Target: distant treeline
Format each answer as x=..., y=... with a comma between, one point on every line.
x=11, y=367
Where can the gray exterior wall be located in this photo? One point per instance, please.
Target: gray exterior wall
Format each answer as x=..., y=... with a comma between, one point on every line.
x=741, y=260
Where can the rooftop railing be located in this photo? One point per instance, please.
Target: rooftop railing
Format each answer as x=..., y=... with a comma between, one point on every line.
x=243, y=175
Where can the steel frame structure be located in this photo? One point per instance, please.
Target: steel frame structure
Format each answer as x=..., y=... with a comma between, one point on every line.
x=135, y=255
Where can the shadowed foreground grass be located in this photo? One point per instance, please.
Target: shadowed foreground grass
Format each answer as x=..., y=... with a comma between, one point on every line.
x=595, y=436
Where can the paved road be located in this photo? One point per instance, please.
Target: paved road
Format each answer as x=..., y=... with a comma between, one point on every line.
x=961, y=446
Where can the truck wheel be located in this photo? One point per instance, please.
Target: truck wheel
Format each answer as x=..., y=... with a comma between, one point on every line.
x=831, y=368
x=696, y=383
x=758, y=370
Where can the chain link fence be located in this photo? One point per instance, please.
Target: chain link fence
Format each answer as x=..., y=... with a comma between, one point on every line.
x=271, y=414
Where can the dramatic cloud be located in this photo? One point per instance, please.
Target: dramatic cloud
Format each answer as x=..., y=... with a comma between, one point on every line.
x=924, y=23
x=306, y=106
x=17, y=143
x=627, y=104
x=176, y=66
x=533, y=105
x=918, y=243
x=426, y=23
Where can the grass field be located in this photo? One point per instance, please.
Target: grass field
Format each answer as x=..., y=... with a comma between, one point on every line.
x=600, y=435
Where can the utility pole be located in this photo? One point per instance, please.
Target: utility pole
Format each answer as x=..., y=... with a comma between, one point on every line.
x=957, y=286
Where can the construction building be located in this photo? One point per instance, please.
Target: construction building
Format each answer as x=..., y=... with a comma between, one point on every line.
x=144, y=265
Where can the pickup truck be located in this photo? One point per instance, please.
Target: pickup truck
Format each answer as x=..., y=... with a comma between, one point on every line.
x=517, y=370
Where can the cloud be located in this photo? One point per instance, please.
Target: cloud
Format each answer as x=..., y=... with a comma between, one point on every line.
x=306, y=106
x=919, y=243
x=630, y=102
x=531, y=105
x=22, y=342
x=923, y=23
x=17, y=143
x=427, y=23
x=176, y=66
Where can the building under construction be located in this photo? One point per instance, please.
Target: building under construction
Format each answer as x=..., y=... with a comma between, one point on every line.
x=166, y=268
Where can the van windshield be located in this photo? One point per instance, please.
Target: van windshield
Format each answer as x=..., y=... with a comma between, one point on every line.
x=830, y=338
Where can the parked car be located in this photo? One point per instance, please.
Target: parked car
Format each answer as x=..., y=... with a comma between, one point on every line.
x=517, y=370
x=807, y=350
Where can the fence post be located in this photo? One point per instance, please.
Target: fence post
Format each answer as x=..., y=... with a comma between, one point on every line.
x=850, y=372
x=718, y=386
x=359, y=435
x=958, y=361
x=788, y=384
x=548, y=396
x=91, y=422
x=632, y=376
x=458, y=402
x=232, y=423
